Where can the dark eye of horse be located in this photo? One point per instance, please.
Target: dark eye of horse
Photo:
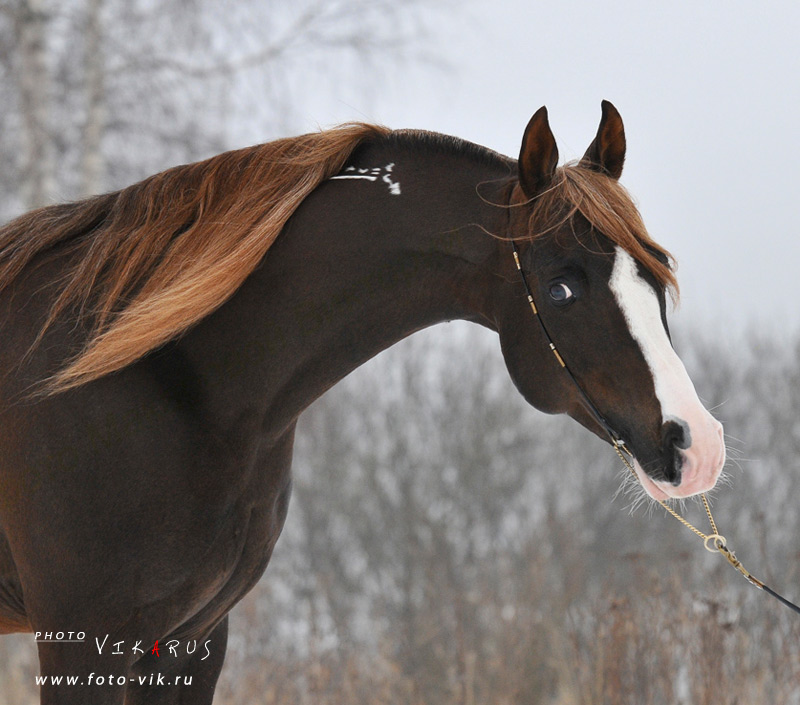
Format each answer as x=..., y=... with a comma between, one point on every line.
x=560, y=293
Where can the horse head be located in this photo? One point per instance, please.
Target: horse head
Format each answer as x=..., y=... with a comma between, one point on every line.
x=600, y=286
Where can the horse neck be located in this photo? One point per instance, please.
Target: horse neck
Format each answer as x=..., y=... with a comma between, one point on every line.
x=357, y=268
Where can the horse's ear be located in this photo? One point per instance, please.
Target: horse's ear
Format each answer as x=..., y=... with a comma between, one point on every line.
x=538, y=157
x=606, y=153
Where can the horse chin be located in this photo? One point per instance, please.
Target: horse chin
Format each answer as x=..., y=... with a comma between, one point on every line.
x=653, y=488
x=662, y=491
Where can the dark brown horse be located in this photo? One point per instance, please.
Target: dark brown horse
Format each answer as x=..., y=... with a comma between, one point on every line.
x=159, y=343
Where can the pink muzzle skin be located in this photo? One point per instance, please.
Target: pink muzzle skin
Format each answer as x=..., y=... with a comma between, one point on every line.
x=703, y=461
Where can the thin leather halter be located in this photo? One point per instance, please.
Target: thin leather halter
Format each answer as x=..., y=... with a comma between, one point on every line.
x=616, y=439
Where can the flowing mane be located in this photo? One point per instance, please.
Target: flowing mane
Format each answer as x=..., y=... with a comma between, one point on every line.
x=153, y=259
x=609, y=208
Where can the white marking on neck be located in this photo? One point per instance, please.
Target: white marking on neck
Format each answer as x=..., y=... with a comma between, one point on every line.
x=640, y=307
x=355, y=176
x=372, y=175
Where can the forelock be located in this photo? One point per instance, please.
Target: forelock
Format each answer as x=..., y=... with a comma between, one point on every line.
x=609, y=209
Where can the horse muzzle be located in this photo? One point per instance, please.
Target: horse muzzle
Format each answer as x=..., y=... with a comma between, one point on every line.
x=692, y=458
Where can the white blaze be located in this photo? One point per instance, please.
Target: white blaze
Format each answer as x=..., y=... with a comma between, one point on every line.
x=640, y=307
x=674, y=390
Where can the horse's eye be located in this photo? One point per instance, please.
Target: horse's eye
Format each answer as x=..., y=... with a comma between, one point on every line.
x=560, y=293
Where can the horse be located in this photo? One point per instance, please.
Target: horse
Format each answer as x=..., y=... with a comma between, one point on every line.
x=159, y=343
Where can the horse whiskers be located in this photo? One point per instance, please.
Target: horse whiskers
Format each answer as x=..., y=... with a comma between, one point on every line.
x=712, y=409
x=729, y=437
x=725, y=479
x=735, y=457
x=632, y=490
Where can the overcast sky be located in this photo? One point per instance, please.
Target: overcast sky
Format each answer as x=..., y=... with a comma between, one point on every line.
x=710, y=98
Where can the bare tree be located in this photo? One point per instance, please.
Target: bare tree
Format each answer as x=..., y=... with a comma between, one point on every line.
x=99, y=93
x=91, y=167
x=26, y=51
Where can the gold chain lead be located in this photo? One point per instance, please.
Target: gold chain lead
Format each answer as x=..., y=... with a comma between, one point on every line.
x=619, y=447
x=717, y=541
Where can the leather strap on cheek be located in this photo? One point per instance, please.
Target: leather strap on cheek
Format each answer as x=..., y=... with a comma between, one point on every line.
x=616, y=439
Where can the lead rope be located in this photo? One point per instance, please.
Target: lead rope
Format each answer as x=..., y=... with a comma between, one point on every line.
x=713, y=542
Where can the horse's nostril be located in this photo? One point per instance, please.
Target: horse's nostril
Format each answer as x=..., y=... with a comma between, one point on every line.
x=675, y=434
x=677, y=466
x=674, y=437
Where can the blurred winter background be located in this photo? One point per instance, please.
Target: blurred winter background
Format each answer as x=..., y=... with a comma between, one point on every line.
x=446, y=544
